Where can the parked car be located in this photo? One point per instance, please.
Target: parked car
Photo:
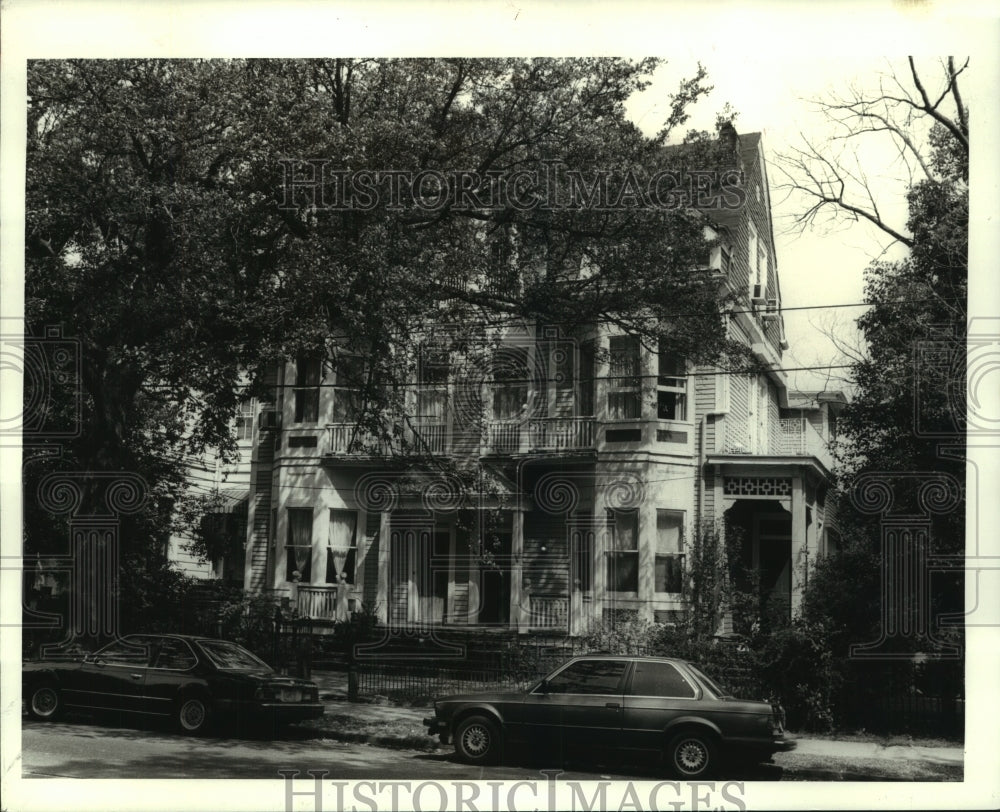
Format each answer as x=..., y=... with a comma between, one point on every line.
x=194, y=680
x=617, y=706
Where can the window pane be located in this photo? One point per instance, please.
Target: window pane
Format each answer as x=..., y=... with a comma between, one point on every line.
x=671, y=366
x=130, y=651
x=659, y=679
x=669, y=573
x=624, y=358
x=341, y=546
x=669, y=531
x=299, y=549
x=589, y=677
x=624, y=405
x=307, y=371
x=175, y=654
x=670, y=406
x=624, y=526
x=623, y=572
x=306, y=405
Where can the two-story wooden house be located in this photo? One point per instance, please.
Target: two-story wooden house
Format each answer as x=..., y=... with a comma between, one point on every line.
x=594, y=458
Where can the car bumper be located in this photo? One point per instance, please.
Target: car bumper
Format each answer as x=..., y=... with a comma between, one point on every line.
x=437, y=727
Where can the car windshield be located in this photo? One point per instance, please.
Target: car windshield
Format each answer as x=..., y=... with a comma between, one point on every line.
x=231, y=657
x=711, y=684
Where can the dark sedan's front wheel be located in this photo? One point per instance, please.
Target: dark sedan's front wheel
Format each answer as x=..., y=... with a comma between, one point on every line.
x=192, y=714
x=44, y=702
x=477, y=740
x=691, y=754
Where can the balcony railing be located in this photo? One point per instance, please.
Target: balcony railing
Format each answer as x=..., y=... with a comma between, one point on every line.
x=548, y=612
x=540, y=434
x=348, y=439
x=430, y=438
x=794, y=437
x=561, y=433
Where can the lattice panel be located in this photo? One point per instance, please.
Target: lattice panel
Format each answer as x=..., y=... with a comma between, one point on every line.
x=757, y=486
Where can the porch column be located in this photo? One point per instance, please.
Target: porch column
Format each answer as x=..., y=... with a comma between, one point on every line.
x=799, y=542
x=382, y=589
x=518, y=613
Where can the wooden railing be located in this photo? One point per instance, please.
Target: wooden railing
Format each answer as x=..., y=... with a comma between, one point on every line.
x=561, y=433
x=347, y=438
x=319, y=601
x=795, y=437
x=548, y=612
x=540, y=434
x=430, y=438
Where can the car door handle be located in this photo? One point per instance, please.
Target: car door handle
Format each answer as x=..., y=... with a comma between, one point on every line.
x=136, y=676
x=612, y=705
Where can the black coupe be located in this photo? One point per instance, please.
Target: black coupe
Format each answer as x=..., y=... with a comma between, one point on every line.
x=193, y=680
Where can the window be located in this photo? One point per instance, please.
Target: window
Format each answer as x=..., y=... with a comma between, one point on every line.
x=299, y=545
x=671, y=385
x=623, y=551
x=342, y=546
x=624, y=390
x=132, y=651
x=350, y=378
x=174, y=654
x=669, y=564
x=753, y=257
x=586, y=384
x=762, y=265
x=244, y=421
x=432, y=387
x=231, y=657
x=510, y=383
x=308, y=371
x=589, y=677
x=660, y=679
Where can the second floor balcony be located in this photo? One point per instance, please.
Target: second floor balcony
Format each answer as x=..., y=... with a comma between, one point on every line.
x=539, y=435
x=787, y=437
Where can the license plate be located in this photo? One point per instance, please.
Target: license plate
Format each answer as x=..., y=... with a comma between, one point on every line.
x=291, y=695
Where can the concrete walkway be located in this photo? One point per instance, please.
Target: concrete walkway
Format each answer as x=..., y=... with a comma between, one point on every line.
x=333, y=690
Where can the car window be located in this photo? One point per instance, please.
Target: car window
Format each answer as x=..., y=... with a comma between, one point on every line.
x=230, y=656
x=589, y=677
x=659, y=679
x=174, y=654
x=713, y=686
x=132, y=651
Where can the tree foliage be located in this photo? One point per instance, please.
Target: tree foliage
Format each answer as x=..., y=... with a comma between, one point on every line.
x=162, y=233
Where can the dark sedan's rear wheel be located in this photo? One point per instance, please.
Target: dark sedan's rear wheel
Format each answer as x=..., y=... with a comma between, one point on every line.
x=193, y=714
x=477, y=740
x=44, y=702
x=691, y=754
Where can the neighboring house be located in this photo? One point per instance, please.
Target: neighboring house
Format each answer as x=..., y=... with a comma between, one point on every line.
x=225, y=486
x=600, y=455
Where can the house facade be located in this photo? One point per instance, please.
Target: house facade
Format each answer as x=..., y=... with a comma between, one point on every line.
x=557, y=483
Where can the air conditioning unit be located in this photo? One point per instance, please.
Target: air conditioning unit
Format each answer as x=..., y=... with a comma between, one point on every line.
x=270, y=419
x=771, y=311
x=757, y=297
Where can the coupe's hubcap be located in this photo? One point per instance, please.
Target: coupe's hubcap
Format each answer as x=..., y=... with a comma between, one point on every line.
x=44, y=701
x=192, y=714
x=476, y=740
x=691, y=755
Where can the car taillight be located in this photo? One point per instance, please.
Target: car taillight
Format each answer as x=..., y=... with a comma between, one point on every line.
x=778, y=717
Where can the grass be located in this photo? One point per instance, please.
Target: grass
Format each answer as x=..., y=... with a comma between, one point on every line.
x=353, y=726
x=885, y=739
x=802, y=767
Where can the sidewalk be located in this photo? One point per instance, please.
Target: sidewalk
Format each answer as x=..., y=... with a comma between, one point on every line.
x=401, y=727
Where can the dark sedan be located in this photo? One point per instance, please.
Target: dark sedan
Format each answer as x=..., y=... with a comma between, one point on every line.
x=620, y=707
x=192, y=680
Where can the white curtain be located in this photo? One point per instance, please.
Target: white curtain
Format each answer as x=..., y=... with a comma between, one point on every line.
x=343, y=526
